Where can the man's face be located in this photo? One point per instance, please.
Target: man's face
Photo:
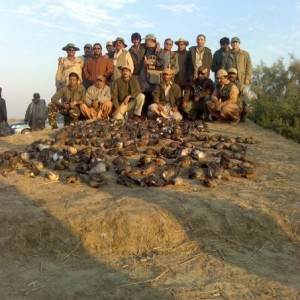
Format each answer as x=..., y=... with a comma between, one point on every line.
x=166, y=77
x=126, y=73
x=181, y=46
x=71, y=52
x=232, y=76
x=119, y=45
x=88, y=51
x=202, y=75
x=136, y=42
x=200, y=41
x=168, y=45
x=73, y=81
x=97, y=50
x=100, y=83
x=36, y=99
x=150, y=43
x=235, y=45
x=110, y=48
x=222, y=80
x=224, y=46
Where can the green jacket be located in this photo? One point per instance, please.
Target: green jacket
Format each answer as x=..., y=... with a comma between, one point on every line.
x=242, y=62
x=68, y=94
x=122, y=88
x=160, y=97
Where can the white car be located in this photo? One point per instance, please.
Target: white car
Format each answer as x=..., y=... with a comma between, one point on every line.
x=21, y=127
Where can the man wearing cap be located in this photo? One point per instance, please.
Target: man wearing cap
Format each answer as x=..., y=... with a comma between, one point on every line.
x=110, y=50
x=97, y=65
x=68, y=65
x=181, y=78
x=244, y=99
x=88, y=52
x=97, y=103
x=36, y=113
x=223, y=104
x=219, y=57
x=166, y=98
x=199, y=56
x=151, y=63
x=168, y=58
x=121, y=58
x=126, y=95
x=196, y=94
x=66, y=101
x=240, y=60
x=137, y=52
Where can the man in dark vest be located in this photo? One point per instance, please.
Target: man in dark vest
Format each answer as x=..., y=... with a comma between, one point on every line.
x=223, y=104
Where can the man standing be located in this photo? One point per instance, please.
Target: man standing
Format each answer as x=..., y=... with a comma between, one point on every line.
x=36, y=113
x=88, y=52
x=219, y=57
x=98, y=103
x=68, y=65
x=196, y=94
x=166, y=98
x=244, y=99
x=168, y=58
x=137, y=52
x=110, y=50
x=223, y=104
x=240, y=60
x=3, y=111
x=71, y=97
x=127, y=95
x=181, y=78
x=199, y=56
x=97, y=65
x=121, y=58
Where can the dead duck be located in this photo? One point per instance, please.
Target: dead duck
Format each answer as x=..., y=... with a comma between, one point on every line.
x=52, y=175
x=71, y=179
x=96, y=180
x=169, y=172
x=196, y=172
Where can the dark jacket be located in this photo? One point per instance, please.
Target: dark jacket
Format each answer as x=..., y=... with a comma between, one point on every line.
x=160, y=97
x=68, y=94
x=122, y=88
x=183, y=60
x=198, y=88
x=138, y=59
x=3, y=112
x=206, y=60
x=219, y=60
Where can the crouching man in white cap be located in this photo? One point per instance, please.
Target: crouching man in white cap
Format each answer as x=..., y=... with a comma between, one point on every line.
x=223, y=104
x=166, y=98
x=126, y=95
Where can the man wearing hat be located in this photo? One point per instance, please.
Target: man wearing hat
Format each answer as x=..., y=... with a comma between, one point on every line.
x=97, y=104
x=196, y=94
x=151, y=63
x=240, y=60
x=68, y=65
x=166, y=98
x=219, y=57
x=110, y=49
x=244, y=98
x=121, y=58
x=181, y=78
x=96, y=65
x=223, y=104
x=36, y=113
x=126, y=95
x=88, y=52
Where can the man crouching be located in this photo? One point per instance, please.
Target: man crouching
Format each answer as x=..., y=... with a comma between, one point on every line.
x=224, y=100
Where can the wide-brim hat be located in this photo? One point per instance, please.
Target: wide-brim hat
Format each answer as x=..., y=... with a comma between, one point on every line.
x=150, y=36
x=182, y=40
x=121, y=40
x=70, y=45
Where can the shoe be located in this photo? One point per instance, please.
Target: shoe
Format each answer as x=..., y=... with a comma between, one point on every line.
x=136, y=118
x=54, y=126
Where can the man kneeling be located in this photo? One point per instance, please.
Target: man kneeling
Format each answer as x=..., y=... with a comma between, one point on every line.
x=98, y=103
x=224, y=100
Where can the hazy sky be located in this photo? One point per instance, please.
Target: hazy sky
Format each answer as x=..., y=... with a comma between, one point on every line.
x=34, y=31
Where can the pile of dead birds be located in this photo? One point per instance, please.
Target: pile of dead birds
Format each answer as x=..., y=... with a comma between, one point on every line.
x=149, y=153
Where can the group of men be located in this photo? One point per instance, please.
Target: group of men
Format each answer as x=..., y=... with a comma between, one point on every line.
x=152, y=81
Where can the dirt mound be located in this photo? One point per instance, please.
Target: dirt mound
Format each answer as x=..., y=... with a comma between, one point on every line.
x=132, y=226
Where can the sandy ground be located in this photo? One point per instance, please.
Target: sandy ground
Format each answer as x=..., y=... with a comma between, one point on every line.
x=239, y=240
